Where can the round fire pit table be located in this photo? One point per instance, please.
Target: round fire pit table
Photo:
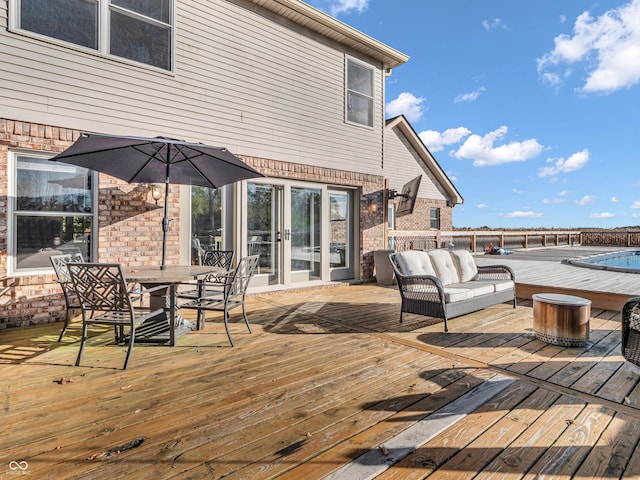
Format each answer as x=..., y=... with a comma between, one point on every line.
x=561, y=319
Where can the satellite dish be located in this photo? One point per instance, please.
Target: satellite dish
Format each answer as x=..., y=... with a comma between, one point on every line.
x=409, y=194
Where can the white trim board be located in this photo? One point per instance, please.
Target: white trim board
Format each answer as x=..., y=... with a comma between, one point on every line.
x=371, y=464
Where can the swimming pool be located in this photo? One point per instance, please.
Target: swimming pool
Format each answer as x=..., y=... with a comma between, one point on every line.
x=623, y=261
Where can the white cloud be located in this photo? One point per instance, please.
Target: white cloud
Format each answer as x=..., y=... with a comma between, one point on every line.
x=495, y=23
x=564, y=193
x=614, y=200
x=521, y=214
x=436, y=141
x=469, y=97
x=636, y=204
x=345, y=6
x=571, y=164
x=602, y=215
x=554, y=200
x=406, y=104
x=483, y=205
x=515, y=190
x=608, y=45
x=586, y=200
x=483, y=152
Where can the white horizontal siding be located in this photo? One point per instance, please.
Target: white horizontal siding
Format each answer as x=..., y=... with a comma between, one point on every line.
x=402, y=163
x=256, y=84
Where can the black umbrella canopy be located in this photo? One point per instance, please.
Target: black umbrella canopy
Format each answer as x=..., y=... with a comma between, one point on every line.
x=157, y=160
x=148, y=160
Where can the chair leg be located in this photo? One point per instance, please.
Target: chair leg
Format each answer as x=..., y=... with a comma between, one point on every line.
x=85, y=329
x=226, y=325
x=64, y=328
x=246, y=320
x=132, y=336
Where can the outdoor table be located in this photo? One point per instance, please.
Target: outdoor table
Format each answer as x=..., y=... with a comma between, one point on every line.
x=561, y=319
x=171, y=325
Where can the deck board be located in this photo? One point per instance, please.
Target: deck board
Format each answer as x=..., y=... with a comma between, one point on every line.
x=328, y=375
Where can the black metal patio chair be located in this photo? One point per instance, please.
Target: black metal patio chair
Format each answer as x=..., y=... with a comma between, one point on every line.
x=232, y=295
x=71, y=301
x=101, y=289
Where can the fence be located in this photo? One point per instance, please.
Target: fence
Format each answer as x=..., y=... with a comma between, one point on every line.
x=479, y=240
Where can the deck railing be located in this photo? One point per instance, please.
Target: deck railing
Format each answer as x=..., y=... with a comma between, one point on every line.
x=479, y=240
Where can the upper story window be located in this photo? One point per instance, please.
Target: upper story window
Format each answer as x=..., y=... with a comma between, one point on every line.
x=359, y=93
x=51, y=211
x=138, y=30
x=434, y=218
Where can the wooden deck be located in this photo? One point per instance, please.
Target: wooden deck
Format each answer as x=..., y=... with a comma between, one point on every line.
x=329, y=385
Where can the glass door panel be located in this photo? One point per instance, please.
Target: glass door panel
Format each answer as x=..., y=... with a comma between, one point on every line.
x=340, y=235
x=264, y=226
x=306, y=234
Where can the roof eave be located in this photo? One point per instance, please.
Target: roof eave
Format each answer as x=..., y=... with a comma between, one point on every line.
x=330, y=27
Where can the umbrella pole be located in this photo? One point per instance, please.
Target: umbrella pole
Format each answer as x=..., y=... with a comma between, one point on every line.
x=165, y=220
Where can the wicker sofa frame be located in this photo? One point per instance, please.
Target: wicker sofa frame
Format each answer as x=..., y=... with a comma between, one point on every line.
x=425, y=294
x=631, y=330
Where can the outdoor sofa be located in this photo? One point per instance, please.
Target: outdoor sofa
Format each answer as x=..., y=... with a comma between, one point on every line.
x=446, y=284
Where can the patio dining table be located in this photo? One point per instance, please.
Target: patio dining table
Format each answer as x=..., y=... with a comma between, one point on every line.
x=171, y=325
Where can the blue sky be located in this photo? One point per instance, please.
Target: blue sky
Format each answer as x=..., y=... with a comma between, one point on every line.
x=531, y=108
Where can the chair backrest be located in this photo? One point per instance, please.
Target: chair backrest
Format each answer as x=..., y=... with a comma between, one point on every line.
x=101, y=287
x=218, y=258
x=242, y=275
x=59, y=263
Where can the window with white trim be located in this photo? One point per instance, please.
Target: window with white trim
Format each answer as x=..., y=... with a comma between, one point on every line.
x=434, y=218
x=359, y=93
x=138, y=30
x=51, y=211
x=391, y=217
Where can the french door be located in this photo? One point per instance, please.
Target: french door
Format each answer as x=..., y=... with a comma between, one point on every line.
x=302, y=232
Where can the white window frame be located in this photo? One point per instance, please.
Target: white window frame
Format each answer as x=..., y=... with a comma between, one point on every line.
x=432, y=218
x=12, y=270
x=347, y=91
x=104, y=17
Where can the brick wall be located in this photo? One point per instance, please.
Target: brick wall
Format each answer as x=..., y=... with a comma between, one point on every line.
x=130, y=223
x=419, y=219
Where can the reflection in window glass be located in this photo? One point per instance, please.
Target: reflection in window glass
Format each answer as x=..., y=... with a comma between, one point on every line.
x=206, y=221
x=339, y=242
x=138, y=40
x=156, y=9
x=138, y=30
x=359, y=93
x=53, y=211
x=74, y=21
x=306, y=228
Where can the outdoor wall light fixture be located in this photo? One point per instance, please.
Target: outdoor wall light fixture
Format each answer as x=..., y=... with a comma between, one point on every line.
x=372, y=206
x=156, y=191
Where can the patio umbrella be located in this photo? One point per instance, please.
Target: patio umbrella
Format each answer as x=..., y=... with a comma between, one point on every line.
x=157, y=160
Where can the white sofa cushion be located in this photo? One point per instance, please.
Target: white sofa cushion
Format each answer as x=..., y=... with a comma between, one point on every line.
x=456, y=294
x=466, y=265
x=415, y=262
x=443, y=264
x=502, y=285
x=477, y=288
